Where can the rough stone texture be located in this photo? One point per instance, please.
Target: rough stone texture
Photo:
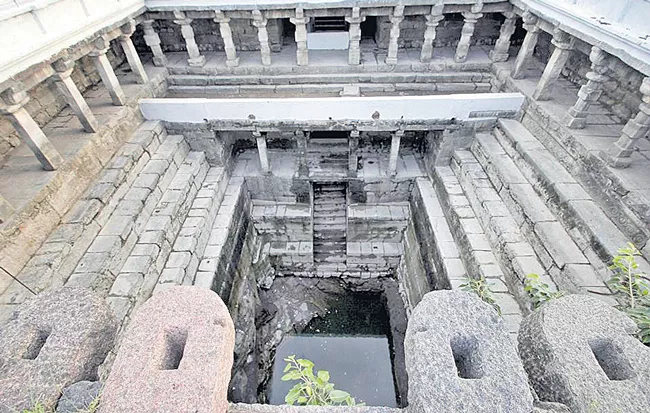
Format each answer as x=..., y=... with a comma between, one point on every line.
x=580, y=352
x=54, y=340
x=267, y=408
x=176, y=355
x=459, y=358
x=78, y=396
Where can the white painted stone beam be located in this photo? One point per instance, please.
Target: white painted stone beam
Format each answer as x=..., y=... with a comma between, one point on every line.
x=131, y=54
x=226, y=34
x=563, y=43
x=395, y=19
x=152, y=40
x=12, y=105
x=477, y=106
x=106, y=72
x=395, y=141
x=72, y=95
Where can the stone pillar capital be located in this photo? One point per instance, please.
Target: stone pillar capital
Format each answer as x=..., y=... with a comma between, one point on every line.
x=562, y=39
x=220, y=17
x=13, y=98
x=100, y=46
x=509, y=15
x=63, y=68
x=354, y=134
x=645, y=89
x=528, y=18
x=355, y=18
x=471, y=17
x=259, y=20
x=128, y=28
x=434, y=19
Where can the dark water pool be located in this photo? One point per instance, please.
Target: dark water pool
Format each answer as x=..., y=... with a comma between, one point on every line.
x=352, y=343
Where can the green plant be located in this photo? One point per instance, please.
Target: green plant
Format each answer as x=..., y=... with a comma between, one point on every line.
x=313, y=390
x=38, y=407
x=632, y=289
x=481, y=288
x=538, y=291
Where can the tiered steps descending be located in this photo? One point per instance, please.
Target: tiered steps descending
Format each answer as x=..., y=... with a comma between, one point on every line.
x=330, y=226
x=328, y=157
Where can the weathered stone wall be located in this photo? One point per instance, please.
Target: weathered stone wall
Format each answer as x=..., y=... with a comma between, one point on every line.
x=208, y=37
x=447, y=33
x=411, y=274
x=216, y=145
x=46, y=101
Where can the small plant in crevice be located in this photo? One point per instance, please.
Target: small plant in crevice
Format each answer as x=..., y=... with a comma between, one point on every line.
x=39, y=407
x=481, y=288
x=313, y=390
x=538, y=291
x=632, y=288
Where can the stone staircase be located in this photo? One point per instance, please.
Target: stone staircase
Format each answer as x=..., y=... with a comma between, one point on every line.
x=327, y=158
x=330, y=228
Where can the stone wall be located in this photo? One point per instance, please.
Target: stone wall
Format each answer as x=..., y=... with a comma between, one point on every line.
x=46, y=101
x=208, y=37
x=447, y=33
x=411, y=274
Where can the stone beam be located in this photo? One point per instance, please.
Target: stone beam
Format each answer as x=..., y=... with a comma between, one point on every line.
x=260, y=138
x=300, y=21
x=260, y=21
x=395, y=19
x=131, y=54
x=72, y=95
x=12, y=105
x=500, y=53
x=152, y=40
x=618, y=155
x=396, y=139
x=106, y=72
x=563, y=43
x=433, y=19
x=226, y=34
x=589, y=93
x=528, y=45
x=354, y=51
x=196, y=59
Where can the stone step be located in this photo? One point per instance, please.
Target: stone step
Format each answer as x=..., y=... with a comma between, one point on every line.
x=331, y=220
x=329, y=258
x=325, y=202
x=559, y=255
x=331, y=188
x=561, y=191
x=142, y=270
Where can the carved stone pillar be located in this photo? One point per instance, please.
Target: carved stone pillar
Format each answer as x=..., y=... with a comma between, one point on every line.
x=589, y=93
x=353, y=156
x=433, y=19
x=394, y=151
x=196, y=59
x=106, y=72
x=226, y=34
x=528, y=45
x=12, y=105
x=260, y=21
x=500, y=53
x=300, y=21
x=395, y=20
x=152, y=40
x=301, y=140
x=260, y=138
x=618, y=155
x=563, y=44
x=131, y=54
x=6, y=210
x=354, y=51
x=466, y=35
x=72, y=96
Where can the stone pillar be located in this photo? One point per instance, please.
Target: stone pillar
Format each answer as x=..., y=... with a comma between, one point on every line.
x=394, y=151
x=466, y=36
x=131, y=54
x=12, y=102
x=226, y=34
x=301, y=140
x=528, y=45
x=106, y=72
x=563, y=43
x=260, y=137
x=259, y=21
x=354, y=51
x=589, y=93
x=395, y=20
x=152, y=40
x=72, y=96
x=196, y=59
x=433, y=20
x=353, y=146
x=618, y=155
x=300, y=21
x=500, y=53
x=6, y=210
